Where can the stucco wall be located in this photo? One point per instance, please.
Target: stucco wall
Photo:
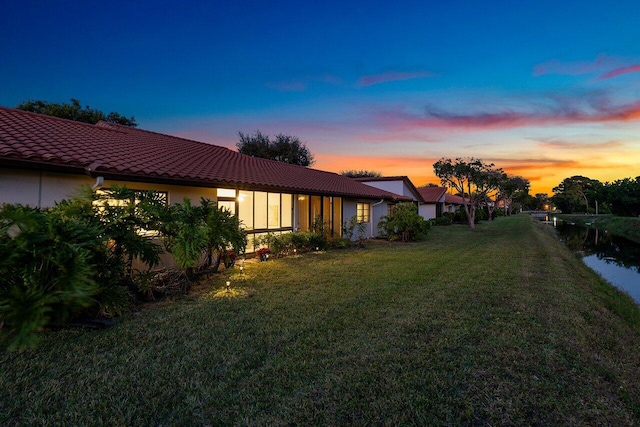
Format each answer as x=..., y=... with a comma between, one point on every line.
x=44, y=189
x=396, y=187
x=427, y=211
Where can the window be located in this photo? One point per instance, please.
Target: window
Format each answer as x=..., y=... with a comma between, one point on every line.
x=260, y=211
x=273, y=210
x=228, y=205
x=362, y=212
x=226, y=192
x=113, y=199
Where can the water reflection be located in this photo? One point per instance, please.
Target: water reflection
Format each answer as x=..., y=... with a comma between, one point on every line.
x=615, y=258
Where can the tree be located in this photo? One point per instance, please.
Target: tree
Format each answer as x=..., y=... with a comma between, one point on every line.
x=472, y=179
x=352, y=173
x=513, y=188
x=573, y=194
x=284, y=148
x=623, y=196
x=75, y=112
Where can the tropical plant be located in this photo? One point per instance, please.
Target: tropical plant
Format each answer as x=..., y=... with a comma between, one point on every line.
x=404, y=223
x=46, y=270
x=203, y=233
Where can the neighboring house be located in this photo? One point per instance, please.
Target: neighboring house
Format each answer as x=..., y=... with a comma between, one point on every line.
x=433, y=204
x=452, y=202
x=46, y=159
x=430, y=200
x=395, y=184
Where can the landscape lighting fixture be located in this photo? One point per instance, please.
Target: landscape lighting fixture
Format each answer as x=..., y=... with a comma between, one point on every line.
x=228, y=286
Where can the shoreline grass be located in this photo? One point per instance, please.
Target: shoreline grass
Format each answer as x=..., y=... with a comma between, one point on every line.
x=496, y=325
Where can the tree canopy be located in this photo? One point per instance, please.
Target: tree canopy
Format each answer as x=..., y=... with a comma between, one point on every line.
x=582, y=194
x=574, y=194
x=75, y=112
x=284, y=148
x=473, y=179
x=353, y=173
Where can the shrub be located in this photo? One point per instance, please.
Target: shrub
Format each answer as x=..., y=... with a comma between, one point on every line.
x=46, y=270
x=404, y=224
x=354, y=228
x=443, y=220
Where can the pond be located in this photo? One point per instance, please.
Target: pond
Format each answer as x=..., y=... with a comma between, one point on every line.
x=615, y=258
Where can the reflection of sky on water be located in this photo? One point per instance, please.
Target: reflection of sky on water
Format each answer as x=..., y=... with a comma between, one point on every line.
x=613, y=257
x=624, y=278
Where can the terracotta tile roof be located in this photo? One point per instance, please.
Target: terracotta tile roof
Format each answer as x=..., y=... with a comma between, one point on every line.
x=30, y=140
x=432, y=194
x=452, y=199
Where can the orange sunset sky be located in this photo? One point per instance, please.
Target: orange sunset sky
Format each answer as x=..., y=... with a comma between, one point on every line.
x=542, y=89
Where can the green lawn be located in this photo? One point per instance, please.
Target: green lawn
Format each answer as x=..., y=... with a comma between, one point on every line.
x=494, y=326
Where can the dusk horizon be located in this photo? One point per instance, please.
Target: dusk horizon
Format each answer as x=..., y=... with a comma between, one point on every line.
x=540, y=89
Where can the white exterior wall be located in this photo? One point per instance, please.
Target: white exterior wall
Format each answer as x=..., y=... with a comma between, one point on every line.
x=396, y=187
x=349, y=207
x=44, y=189
x=427, y=211
x=38, y=189
x=377, y=212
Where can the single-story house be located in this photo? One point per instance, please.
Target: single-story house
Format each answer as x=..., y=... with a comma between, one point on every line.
x=452, y=202
x=430, y=200
x=46, y=159
x=433, y=205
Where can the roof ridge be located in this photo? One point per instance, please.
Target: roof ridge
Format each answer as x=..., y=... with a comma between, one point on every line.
x=53, y=118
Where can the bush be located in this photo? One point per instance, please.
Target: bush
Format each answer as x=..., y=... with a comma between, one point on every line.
x=404, y=224
x=443, y=220
x=46, y=270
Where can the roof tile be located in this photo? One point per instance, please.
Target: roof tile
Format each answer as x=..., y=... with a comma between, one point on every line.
x=107, y=148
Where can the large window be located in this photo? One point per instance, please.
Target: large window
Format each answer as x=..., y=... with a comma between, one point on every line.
x=261, y=212
x=362, y=212
x=320, y=210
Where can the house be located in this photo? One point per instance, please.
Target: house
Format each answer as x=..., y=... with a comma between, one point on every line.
x=452, y=202
x=430, y=200
x=433, y=204
x=46, y=159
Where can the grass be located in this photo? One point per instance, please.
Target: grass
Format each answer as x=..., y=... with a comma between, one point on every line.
x=624, y=226
x=494, y=326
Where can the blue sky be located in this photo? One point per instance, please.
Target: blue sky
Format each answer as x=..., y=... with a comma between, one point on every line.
x=544, y=89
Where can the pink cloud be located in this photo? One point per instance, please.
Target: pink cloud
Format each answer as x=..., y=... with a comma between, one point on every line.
x=618, y=71
x=561, y=114
x=580, y=146
x=391, y=76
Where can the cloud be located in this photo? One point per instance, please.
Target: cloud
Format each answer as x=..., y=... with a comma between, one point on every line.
x=621, y=70
x=552, y=143
x=301, y=84
x=574, y=68
x=559, y=113
x=391, y=76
